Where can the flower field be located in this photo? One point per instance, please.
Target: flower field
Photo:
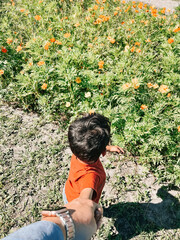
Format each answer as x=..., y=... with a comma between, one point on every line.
x=62, y=58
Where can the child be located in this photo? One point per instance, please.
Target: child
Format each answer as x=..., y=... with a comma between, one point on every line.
x=88, y=138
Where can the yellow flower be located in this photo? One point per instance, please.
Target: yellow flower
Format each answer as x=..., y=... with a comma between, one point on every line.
x=163, y=89
x=155, y=86
x=37, y=17
x=22, y=10
x=101, y=63
x=78, y=80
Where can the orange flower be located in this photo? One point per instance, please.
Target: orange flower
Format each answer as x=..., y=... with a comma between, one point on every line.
x=77, y=24
x=175, y=16
x=66, y=35
x=150, y=85
x=90, y=45
x=132, y=21
x=178, y=128
x=44, y=86
x=163, y=89
x=40, y=63
x=22, y=10
x=112, y=40
x=122, y=23
x=176, y=30
x=37, y=17
x=101, y=63
x=101, y=9
x=19, y=48
x=115, y=13
x=136, y=11
x=95, y=7
x=58, y=42
x=132, y=49
x=30, y=64
x=163, y=10
x=1, y=72
x=9, y=41
x=169, y=94
x=135, y=83
x=137, y=43
x=143, y=107
x=78, y=80
x=138, y=50
x=148, y=40
x=87, y=18
x=4, y=50
x=46, y=47
x=170, y=40
x=155, y=85
x=126, y=86
x=123, y=2
x=52, y=40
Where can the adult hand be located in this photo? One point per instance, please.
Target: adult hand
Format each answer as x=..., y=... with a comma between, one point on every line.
x=86, y=215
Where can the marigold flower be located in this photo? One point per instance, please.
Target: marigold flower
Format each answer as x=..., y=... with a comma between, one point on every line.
x=68, y=104
x=115, y=13
x=150, y=85
x=87, y=18
x=148, y=40
x=4, y=50
x=122, y=23
x=138, y=50
x=126, y=86
x=30, y=64
x=22, y=10
x=132, y=49
x=40, y=63
x=132, y=21
x=112, y=40
x=123, y=2
x=46, y=46
x=163, y=89
x=66, y=35
x=143, y=107
x=95, y=7
x=169, y=94
x=137, y=43
x=52, y=40
x=170, y=40
x=19, y=48
x=77, y=24
x=1, y=72
x=101, y=63
x=175, y=16
x=90, y=45
x=135, y=83
x=9, y=41
x=58, y=42
x=155, y=85
x=78, y=80
x=37, y=17
x=44, y=86
x=178, y=128
x=87, y=95
x=176, y=30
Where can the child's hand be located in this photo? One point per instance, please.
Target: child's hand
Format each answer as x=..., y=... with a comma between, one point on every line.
x=114, y=149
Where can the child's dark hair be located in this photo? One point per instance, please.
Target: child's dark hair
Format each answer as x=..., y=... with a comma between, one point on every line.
x=88, y=136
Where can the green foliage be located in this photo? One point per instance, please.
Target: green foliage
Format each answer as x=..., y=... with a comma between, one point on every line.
x=136, y=85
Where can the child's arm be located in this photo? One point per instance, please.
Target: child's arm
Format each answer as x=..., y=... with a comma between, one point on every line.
x=114, y=149
x=87, y=193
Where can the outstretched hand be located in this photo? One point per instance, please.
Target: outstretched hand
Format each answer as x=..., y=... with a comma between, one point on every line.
x=117, y=149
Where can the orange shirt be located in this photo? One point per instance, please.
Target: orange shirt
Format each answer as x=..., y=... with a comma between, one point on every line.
x=83, y=175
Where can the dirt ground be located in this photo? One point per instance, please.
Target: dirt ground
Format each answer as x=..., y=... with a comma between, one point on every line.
x=135, y=205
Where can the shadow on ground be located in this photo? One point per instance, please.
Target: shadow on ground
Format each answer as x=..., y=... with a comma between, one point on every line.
x=133, y=218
